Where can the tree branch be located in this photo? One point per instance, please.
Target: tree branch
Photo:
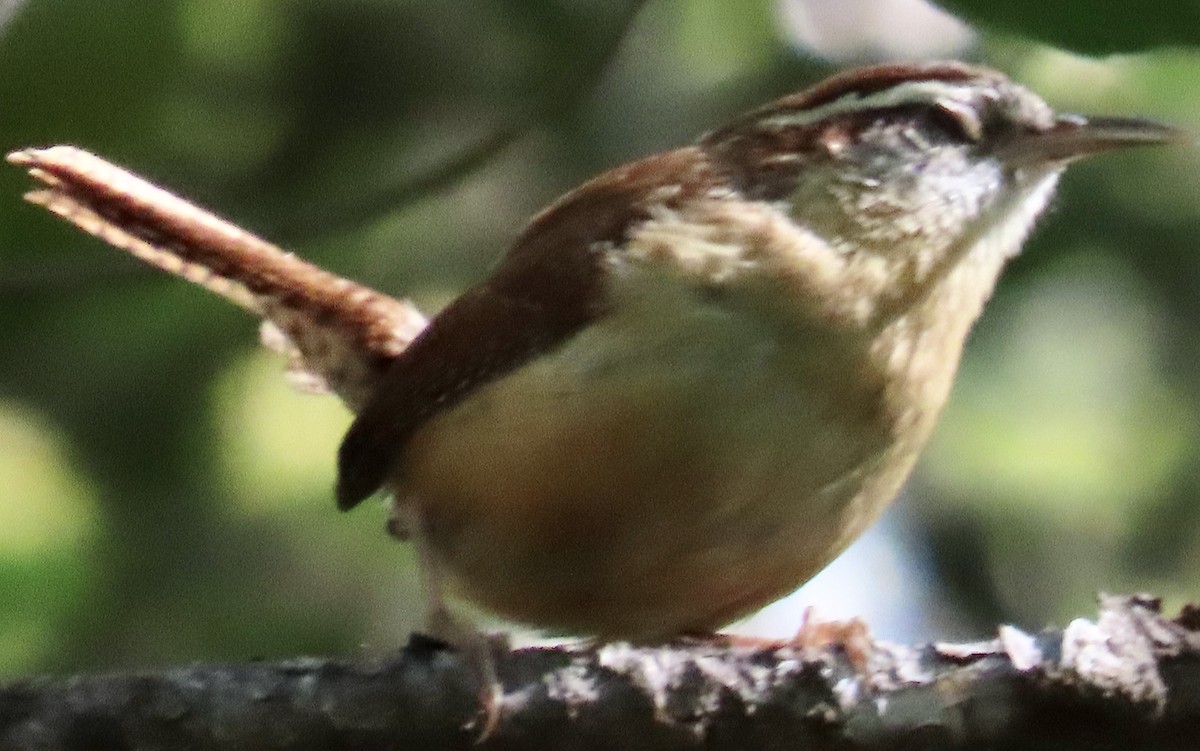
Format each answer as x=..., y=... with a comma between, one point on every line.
x=1129, y=680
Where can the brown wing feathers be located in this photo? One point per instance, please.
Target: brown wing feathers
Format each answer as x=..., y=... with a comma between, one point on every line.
x=459, y=352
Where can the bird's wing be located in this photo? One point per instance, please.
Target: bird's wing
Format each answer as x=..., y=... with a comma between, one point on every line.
x=549, y=286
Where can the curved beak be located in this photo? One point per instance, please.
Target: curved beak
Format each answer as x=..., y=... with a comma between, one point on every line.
x=1075, y=136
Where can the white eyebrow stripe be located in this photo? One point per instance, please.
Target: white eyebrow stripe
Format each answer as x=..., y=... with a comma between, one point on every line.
x=932, y=92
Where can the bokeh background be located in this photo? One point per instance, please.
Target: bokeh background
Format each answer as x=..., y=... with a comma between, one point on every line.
x=164, y=497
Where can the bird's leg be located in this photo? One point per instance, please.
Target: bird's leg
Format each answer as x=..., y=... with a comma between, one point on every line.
x=475, y=646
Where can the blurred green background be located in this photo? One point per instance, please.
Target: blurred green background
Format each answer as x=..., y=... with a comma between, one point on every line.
x=164, y=497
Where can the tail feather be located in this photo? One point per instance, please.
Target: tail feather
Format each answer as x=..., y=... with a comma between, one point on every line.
x=338, y=334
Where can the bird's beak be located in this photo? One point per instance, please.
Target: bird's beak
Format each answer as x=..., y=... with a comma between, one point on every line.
x=1075, y=136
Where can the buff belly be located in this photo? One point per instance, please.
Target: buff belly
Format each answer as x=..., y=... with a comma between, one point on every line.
x=665, y=471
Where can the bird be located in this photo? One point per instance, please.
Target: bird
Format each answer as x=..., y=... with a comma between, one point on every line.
x=695, y=379
x=692, y=381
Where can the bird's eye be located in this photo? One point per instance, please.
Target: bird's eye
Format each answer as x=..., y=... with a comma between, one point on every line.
x=959, y=118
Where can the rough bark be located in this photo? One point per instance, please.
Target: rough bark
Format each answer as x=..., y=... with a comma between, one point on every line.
x=1130, y=679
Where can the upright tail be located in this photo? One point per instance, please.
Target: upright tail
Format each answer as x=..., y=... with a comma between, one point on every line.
x=339, y=335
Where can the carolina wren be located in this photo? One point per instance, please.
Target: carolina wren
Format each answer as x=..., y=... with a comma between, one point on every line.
x=698, y=377
x=693, y=380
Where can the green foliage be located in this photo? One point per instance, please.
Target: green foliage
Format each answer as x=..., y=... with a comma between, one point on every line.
x=1090, y=28
x=163, y=497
